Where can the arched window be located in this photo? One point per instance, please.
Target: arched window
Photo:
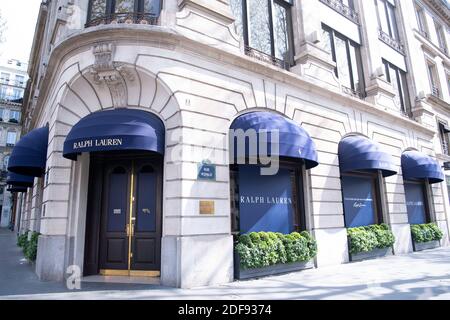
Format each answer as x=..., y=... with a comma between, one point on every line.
x=123, y=11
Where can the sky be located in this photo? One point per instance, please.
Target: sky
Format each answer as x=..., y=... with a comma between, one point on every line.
x=20, y=16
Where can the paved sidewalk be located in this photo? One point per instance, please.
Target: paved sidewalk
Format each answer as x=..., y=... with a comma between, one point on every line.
x=424, y=275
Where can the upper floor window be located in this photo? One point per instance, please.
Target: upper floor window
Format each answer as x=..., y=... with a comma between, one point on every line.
x=421, y=20
x=346, y=54
x=444, y=131
x=17, y=94
x=11, y=138
x=434, y=79
x=397, y=78
x=441, y=36
x=266, y=27
x=123, y=11
x=14, y=116
x=4, y=78
x=386, y=18
x=20, y=80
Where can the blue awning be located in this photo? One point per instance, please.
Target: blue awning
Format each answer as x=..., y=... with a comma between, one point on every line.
x=359, y=153
x=16, y=189
x=30, y=153
x=417, y=165
x=119, y=129
x=294, y=141
x=15, y=179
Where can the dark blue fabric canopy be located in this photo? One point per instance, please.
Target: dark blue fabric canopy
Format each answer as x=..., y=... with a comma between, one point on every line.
x=417, y=165
x=294, y=141
x=16, y=189
x=118, y=129
x=359, y=153
x=30, y=153
x=15, y=179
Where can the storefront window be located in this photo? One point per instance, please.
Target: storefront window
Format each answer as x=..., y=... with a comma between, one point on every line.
x=268, y=203
x=361, y=200
x=416, y=204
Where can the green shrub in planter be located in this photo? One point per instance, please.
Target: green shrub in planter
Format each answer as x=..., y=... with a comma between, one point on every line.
x=426, y=232
x=368, y=238
x=263, y=249
x=22, y=239
x=30, y=250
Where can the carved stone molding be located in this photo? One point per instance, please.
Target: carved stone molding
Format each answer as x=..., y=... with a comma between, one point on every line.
x=112, y=74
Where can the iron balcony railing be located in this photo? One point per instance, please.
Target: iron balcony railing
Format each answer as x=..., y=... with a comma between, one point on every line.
x=124, y=18
x=391, y=42
x=435, y=91
x=343, y=9
x=261, y=56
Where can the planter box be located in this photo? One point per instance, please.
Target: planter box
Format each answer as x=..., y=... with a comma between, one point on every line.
x=377, y=253
x=419, y=246
x=242, y=274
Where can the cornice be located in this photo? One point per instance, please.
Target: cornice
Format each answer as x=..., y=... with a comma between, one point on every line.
x=168, y=37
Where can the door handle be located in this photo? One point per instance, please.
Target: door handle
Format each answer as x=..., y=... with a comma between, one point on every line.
x=132, y=229
x=128, y=229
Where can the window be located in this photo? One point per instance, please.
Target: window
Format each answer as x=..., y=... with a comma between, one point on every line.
x=11, y=138
x=266, y=27
x=397, y=78
x=421, y=21
x=14, y=116
x=121, y=11
x=17, y=94
x=271, y=203
x=433, y=78
x=1, y=114
x=4, y=78
x=346, y=54
x=444, y=130
x=416, y=202
x=20, y=80
x=441, y=36
x=361, y=199
x=386, y=18
x=3, y=92
x=5, y=162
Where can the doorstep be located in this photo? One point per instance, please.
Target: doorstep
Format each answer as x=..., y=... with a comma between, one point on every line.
x=122, y=279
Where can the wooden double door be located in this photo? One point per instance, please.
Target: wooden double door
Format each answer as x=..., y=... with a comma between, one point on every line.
x=124, y=207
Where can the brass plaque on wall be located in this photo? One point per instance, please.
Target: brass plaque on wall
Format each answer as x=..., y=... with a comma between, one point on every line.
x=206, y=207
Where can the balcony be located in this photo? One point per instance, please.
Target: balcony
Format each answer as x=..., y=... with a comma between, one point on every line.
x=11, y=99
x=391, y=42
x=436, y=92
x=124, y=18
x=341, y=8
x=261, y=56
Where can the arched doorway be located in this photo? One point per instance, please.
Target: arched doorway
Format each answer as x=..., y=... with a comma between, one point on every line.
x=124, y=207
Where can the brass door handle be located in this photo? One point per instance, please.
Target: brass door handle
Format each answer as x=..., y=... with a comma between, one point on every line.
x=128, y=229
x=132, y=229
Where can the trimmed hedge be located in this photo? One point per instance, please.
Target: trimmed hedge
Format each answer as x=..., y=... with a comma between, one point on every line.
x=22, y=239
x=368, y=238
x=426, y=232
x=263, y=249
x=29, y=247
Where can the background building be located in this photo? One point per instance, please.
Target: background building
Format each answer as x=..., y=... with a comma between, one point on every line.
x=348, y=78
x=13, y=80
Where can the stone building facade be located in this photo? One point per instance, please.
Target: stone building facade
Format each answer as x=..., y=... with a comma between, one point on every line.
x=332, y=67
x=13, y=79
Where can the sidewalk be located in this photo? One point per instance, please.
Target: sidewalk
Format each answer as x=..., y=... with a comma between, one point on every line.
x=424, y=275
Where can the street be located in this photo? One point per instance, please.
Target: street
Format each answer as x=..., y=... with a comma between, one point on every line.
x=424, y=275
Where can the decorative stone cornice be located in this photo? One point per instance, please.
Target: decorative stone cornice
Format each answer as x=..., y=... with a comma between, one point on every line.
x=168, y=37
x=113, y=74
x=441, y=7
